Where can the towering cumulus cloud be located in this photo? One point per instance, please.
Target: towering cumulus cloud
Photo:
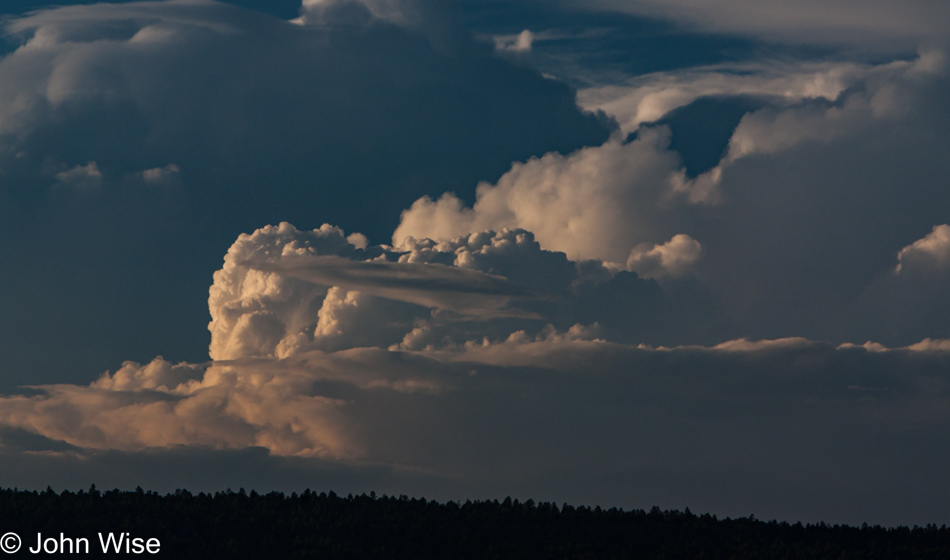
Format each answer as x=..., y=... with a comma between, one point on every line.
x=721, y=285
x=190, y=121
x=436, y=356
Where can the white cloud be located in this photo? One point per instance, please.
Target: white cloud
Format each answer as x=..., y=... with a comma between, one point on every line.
x=602, y=202
x=673, y=258
x=786, y=219
x=648, y=98
x=283, y=291
x=597, y=203
x=798, y=110
x=932, y=252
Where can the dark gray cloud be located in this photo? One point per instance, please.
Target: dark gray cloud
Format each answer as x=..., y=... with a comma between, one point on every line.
x=254, y=120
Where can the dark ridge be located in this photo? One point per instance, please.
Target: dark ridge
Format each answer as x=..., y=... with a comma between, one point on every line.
x=239, y=525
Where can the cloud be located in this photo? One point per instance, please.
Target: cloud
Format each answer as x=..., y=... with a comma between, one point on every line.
x=911, y=295
x=282, y=290
x=159, y=175
x=266, y=121
x=804, y=103
x=81, y=177
x=401, y=12
x=673, y=258
x=601, y=202
x=931, y=252
x=232, y=95
x=597, y=203
x=297, y=354
x=788, y=221
x=551, y=410
x=589, y=322
x=647, y=98
x=520, y=43
x=881, y=24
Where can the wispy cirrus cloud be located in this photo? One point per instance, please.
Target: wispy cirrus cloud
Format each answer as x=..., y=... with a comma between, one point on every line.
x=876, y=24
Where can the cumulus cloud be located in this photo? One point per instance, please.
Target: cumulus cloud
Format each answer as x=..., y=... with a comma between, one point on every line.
x=602, y=202
x=283, y=291
x=787, y=217
x=360, y=356
x=811, y=102
x=598, y=202
x=81, y=177
x=342, y=120
x=257, y=310
x=298, y=352
x=931, y=252
x=673, y=258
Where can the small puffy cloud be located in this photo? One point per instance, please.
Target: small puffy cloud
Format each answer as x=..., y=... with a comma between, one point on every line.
x=159, y=375
x=161, y=175
x=81, y=177
x=931, y=253
x=931, y=345
x=673, y=258
x=520, y=43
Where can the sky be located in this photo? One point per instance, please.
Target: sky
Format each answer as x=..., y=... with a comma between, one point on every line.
x=613, y=252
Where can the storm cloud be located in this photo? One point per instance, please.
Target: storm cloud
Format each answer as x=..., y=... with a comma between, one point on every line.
x=524, y=283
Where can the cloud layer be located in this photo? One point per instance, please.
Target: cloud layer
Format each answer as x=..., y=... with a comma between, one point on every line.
x=788, y=428
x=879, y=23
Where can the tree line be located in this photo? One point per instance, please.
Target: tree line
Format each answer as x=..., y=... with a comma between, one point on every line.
x=238, y=525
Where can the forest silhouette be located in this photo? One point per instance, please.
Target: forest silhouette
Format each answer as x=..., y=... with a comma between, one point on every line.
x=239, y=525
